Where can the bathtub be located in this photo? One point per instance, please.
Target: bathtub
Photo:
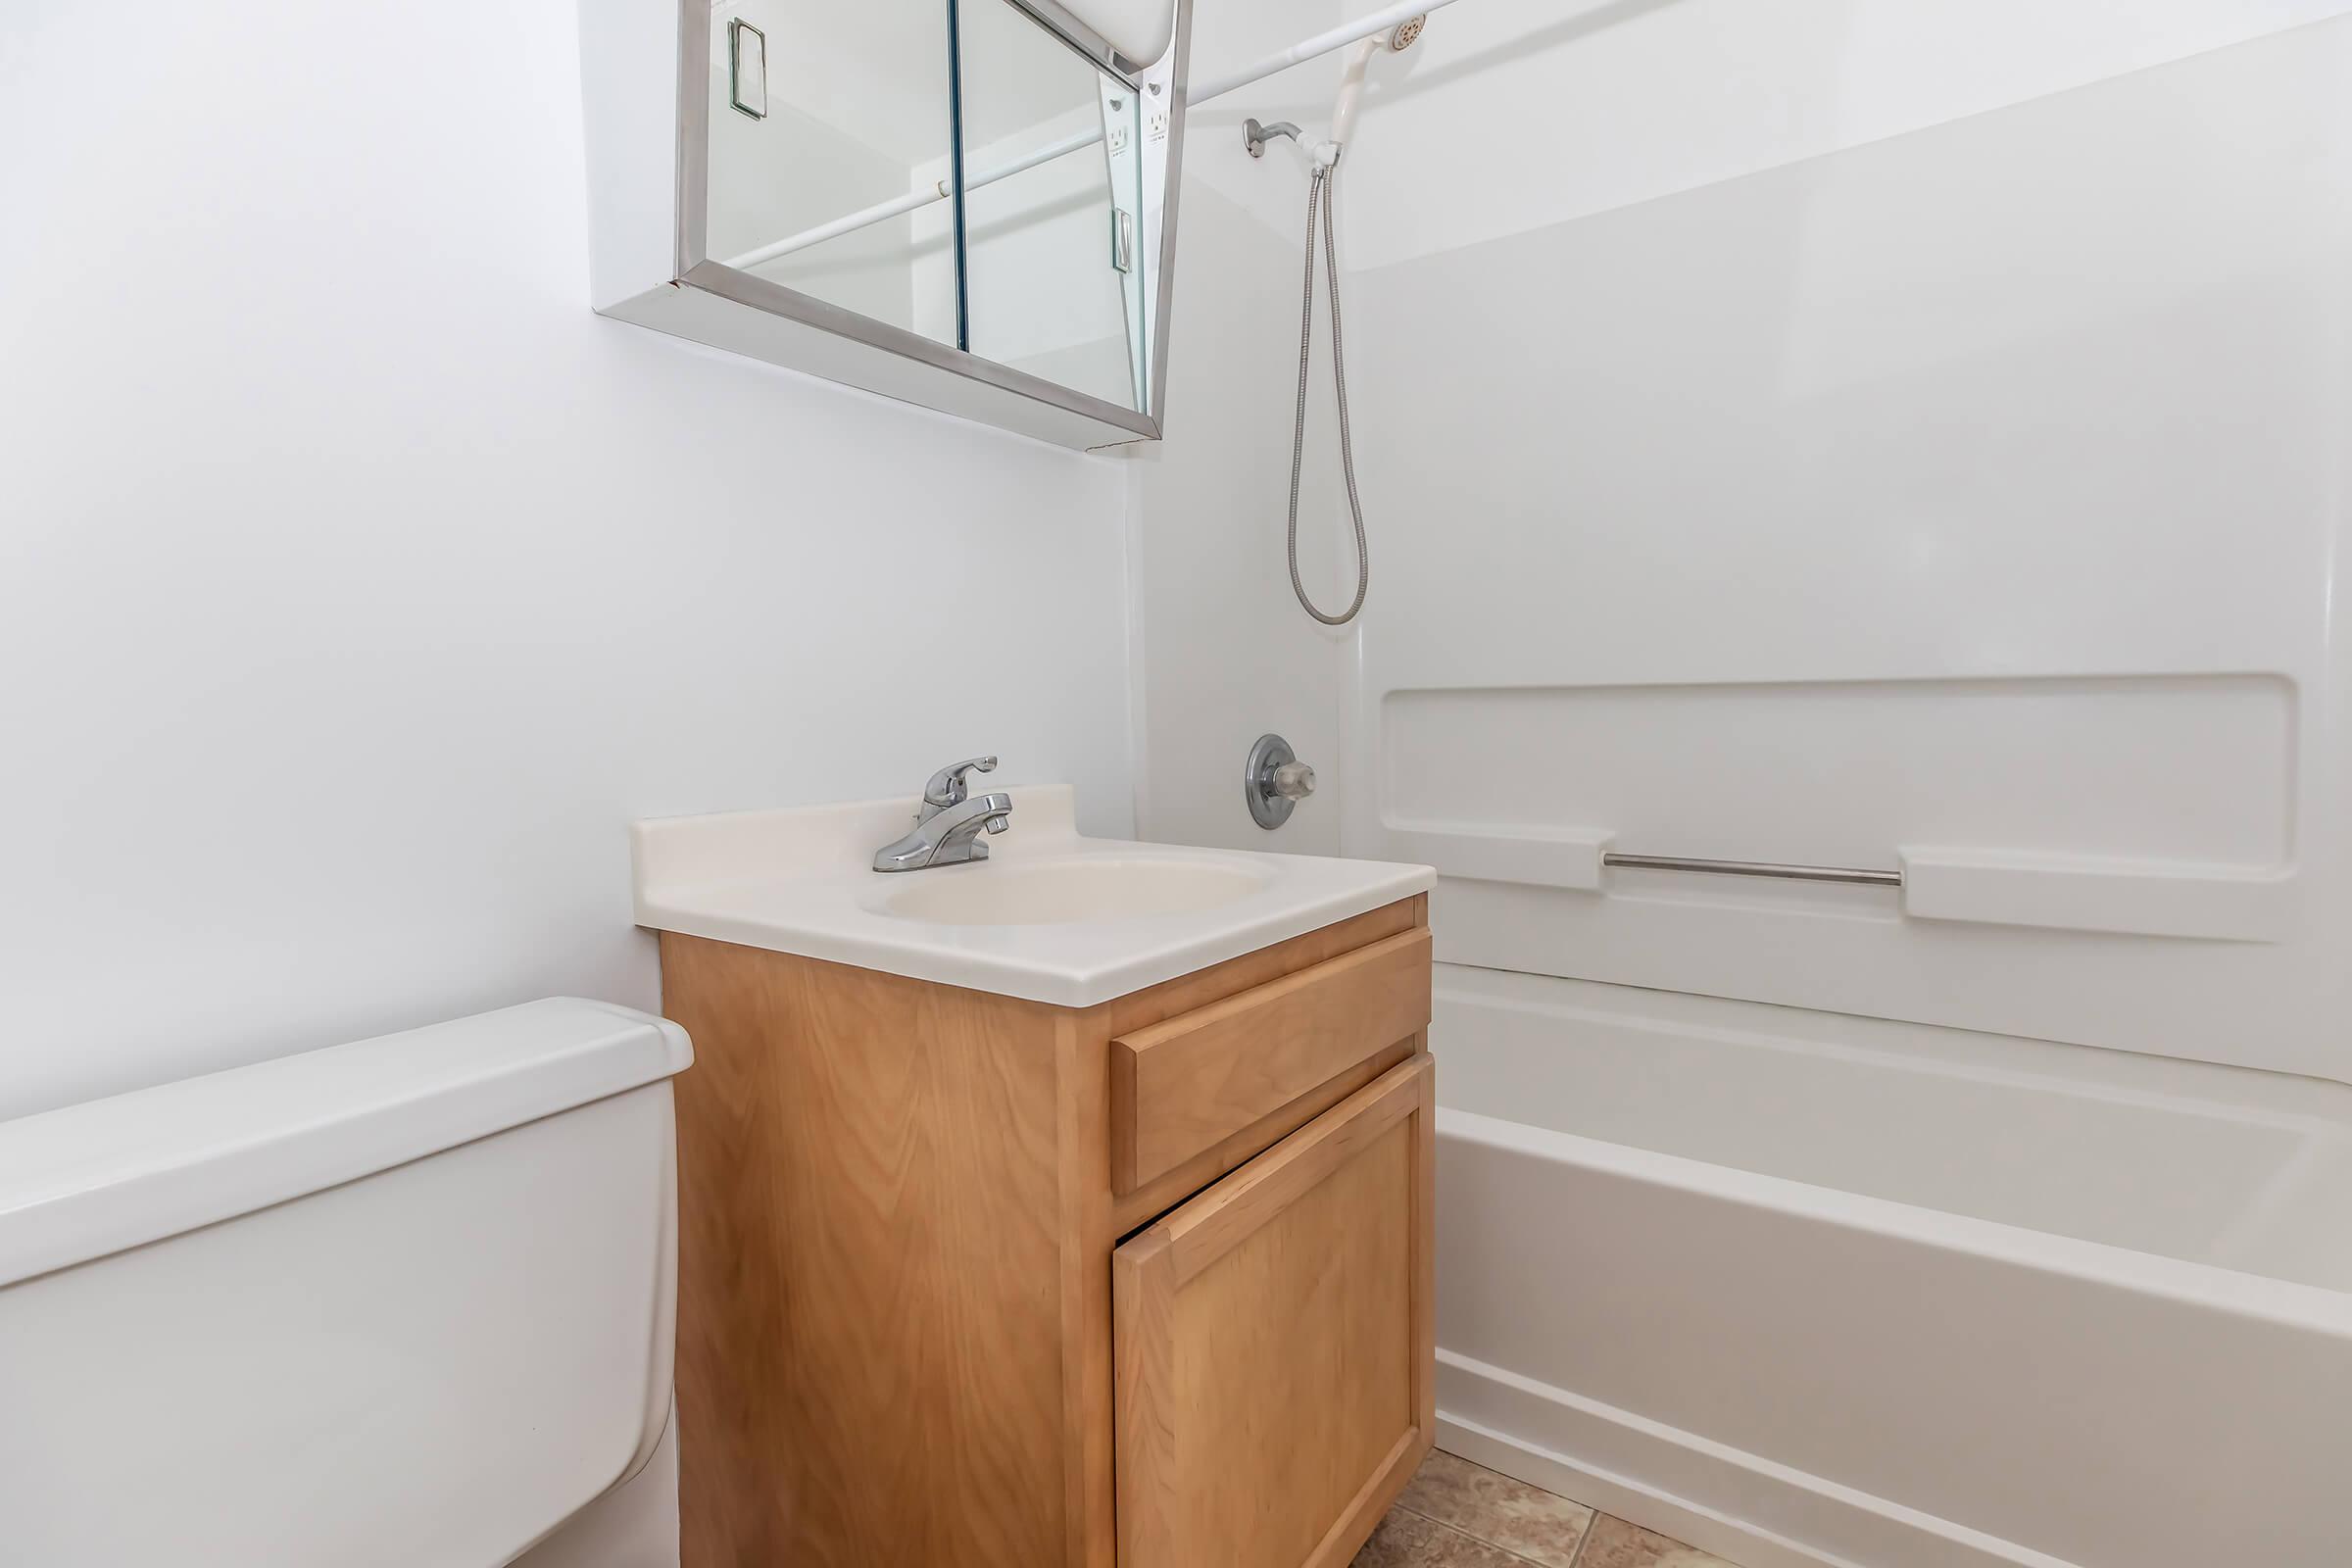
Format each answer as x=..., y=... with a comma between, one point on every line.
x=1804, y=1288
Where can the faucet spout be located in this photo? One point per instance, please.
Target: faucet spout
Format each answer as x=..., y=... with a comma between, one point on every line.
x=947, y=835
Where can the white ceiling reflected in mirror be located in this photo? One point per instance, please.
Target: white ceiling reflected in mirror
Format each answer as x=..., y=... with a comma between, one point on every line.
x=960, y=203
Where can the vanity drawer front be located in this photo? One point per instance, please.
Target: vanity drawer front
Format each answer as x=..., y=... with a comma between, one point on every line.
x=1185, y=1084
x=1274, y=1345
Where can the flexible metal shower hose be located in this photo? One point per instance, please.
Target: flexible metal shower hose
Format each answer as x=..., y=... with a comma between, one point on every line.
x=1319, y=202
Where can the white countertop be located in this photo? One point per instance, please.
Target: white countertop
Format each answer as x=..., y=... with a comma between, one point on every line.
x=802, y=881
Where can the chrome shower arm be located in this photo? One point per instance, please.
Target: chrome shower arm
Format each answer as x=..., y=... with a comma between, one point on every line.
x=1255, y=135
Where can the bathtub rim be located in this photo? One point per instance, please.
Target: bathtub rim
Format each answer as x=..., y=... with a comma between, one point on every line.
x=2260, y=1297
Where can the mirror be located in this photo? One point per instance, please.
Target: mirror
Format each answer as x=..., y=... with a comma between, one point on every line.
x=847, y=118
x=965, y=204
x=1053, y=207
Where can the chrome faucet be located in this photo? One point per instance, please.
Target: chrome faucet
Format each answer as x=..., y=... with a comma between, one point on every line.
x=947, y=827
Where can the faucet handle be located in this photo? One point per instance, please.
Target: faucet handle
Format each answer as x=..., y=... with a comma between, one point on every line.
x=946, y=786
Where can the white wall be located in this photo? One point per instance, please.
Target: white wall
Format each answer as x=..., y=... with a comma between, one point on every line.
x=358, y=586
x=1224, y=652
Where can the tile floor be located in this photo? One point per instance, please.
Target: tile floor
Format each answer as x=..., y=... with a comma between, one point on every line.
x=1455, y=1514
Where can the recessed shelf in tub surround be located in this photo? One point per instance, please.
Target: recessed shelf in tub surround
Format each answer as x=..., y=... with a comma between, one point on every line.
x=1053, y=916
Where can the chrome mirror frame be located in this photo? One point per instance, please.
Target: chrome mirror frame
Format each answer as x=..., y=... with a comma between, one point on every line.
x=1160, y=82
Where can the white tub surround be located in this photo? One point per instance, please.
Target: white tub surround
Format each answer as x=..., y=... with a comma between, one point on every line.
x=1731, y=583
x=1806, y=1290
x=802, y=880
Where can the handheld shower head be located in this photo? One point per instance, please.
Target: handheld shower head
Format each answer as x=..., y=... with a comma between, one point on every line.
x=1326, y=151
x=1396, y=40
x=1351, y=93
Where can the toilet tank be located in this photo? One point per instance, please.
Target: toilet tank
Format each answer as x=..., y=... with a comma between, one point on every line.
x=407, y=1302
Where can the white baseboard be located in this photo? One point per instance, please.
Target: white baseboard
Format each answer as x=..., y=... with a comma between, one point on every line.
x=1735, y=1504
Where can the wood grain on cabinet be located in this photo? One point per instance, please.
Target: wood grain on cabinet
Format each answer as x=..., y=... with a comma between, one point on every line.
x=876, y=1265
x=1187, y=1083
x=1275, y=1345
x=894, y=1338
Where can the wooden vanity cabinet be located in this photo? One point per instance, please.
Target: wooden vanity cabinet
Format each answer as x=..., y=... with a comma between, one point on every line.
x=970, y=1281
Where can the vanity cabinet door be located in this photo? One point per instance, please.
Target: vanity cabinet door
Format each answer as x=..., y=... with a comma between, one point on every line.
x=1275, y=1345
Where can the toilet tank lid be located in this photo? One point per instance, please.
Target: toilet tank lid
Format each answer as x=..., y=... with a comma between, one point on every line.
x=85, y=1181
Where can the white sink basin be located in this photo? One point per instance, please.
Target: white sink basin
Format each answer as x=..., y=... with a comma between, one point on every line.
x=1050, y=916
x=1059, y=891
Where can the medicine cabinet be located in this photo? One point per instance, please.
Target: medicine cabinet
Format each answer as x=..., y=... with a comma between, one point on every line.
x=969, y=205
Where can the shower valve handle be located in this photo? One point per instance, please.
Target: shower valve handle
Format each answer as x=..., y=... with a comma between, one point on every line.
x=1274, y=781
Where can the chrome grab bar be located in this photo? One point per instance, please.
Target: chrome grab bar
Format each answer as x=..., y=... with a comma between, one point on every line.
x=1765, y=869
